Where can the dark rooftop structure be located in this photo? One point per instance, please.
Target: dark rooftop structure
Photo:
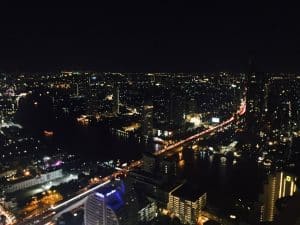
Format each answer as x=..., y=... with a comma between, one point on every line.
x=211, y=222
x=189, y=191
x=290, y=215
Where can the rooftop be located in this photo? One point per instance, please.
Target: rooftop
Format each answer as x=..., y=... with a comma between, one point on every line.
x=189, y=191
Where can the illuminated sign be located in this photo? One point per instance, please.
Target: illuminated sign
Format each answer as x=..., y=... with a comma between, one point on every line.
x=215, y=120
x=288, y=178
x=110, y=193
x=159, y=133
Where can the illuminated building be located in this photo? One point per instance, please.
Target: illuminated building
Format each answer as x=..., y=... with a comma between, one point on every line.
x=194, y=119
x=7, y=107
x=148, y=212
x=147, y=123
x=278, y=186
x=16, y=185
x=186, y=202
x=98, y=210
x=8, y=173
x=94, y=103
x=112, y=205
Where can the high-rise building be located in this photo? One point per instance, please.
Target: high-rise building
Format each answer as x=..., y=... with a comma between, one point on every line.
x=147, y=123
x=8, y=107
x=192, y=106
x=176, y=109
x=112, y=205
x=93, y=100
x=186, y=202
x=278, y=186
x=99, y=211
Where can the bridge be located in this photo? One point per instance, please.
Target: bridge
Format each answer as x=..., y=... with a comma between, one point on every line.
x=210, y=130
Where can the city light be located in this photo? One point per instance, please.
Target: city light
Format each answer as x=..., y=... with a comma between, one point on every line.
x=157, y=132
x=80, y=195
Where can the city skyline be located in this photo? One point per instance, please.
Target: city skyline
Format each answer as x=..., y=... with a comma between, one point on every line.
x=68, y=135
x=161, y=114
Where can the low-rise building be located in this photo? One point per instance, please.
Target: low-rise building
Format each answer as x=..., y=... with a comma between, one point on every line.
x=16, y=185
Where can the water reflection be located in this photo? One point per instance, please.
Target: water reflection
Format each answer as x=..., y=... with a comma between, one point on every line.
x=229, y=179
x=221, y=179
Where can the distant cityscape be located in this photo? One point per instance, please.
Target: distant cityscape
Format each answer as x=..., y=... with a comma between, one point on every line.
x=91, y=148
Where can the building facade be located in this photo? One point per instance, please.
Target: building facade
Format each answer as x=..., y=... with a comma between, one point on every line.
x=111, y=205
x=278, y=186
x=186, y=204
x=147, y=123
x=40, y=179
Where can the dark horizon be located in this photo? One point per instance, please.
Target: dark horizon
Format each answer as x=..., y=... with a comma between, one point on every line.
x=161, y=38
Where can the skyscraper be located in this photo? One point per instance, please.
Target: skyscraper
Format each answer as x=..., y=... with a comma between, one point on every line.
x=186, y=202
x=99, y=211
x=176, y=108
x=278, y=186
x=93, y=100
x=112, y=205
x=147, y=117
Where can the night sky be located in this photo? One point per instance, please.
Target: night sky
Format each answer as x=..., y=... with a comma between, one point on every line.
x=161, y=37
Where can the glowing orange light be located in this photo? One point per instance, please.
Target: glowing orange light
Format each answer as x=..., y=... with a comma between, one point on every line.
x=48, y=133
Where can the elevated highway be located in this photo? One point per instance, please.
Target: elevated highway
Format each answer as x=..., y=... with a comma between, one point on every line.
x=216, y=128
